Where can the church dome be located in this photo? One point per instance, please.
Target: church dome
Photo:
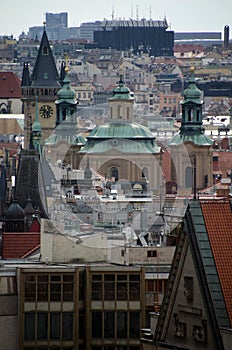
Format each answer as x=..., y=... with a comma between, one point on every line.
x=15, y=212
x=128, y=130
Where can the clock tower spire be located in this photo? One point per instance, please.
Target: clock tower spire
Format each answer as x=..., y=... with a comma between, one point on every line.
x=44, y=83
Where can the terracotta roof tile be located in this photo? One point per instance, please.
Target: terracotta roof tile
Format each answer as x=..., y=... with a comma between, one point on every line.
x=9, y=85
x=218, y=222
x=17, y=245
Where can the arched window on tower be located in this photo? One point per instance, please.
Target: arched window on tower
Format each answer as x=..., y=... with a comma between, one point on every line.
x=188, y=177
x=114, y=174
x=119, y=112
x=45, y=50
x=144, y=173
x=190, y=114
x=128, y=113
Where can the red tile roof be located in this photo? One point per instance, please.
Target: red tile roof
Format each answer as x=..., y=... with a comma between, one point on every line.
x=218, y=221
x=17, y=245
x=10, y=85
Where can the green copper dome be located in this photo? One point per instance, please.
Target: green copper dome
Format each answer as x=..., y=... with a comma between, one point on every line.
x=129, y=130
x=126, y=137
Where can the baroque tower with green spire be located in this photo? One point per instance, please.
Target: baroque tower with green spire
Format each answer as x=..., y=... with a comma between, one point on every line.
x=191, y=142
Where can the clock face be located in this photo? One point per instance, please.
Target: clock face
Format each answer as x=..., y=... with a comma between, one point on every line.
x=46, y=111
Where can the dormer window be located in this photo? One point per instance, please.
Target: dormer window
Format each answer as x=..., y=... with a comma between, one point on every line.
x=45, y=50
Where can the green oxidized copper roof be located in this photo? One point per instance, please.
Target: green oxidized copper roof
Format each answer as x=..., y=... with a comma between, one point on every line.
x=129, y=130
x=197, y=139
x=126, y=137
x=122, y=146
x=66, y=93
x=121, y=92
x=77, y=139
x=192, y=93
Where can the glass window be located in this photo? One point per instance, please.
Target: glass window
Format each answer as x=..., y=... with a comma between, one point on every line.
x=96, y=324
x=134, y=324
x=55, y=325
x=122, y=291
x=29, y=326
x=67, y=326
x=109, y=290
x=121, y=324
x=134, y=291
x=30, y=291
x=150, y=287
x=96, y=277
x=134, y=277
x=109, y=324
x=96, y=291
x=42, y=325
x=55, y=292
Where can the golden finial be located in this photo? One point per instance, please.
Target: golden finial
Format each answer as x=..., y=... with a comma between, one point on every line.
x=66, y=64
x=192, y=69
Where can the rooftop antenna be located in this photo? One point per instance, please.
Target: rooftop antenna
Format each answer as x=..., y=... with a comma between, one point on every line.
x=137, y=12
x=132, y=11
x=150, y=16
x=112, y=14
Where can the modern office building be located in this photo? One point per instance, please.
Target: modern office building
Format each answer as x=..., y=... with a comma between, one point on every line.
x=57, y=20
x=143, y=35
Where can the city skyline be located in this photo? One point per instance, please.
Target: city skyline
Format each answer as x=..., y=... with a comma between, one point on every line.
x=182, y=16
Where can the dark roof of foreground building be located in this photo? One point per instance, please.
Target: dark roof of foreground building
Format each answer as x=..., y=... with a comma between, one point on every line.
x=206, y=237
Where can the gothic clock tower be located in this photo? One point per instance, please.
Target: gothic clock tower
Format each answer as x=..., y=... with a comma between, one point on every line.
x=43, y=83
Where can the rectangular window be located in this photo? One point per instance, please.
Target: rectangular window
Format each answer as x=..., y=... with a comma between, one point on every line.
x=55, y=287
x=188, y=287
x=96, y=290
x=134, y=291
x=109, y=287
x=29, y=326
x=30, y=288
x=97, y=324
x=55, y=325
x=134, y=324
x=150, y=286
x=121, y=324
x=109, y=324
x=67, y=326
x=122, y=289
x=42, y=288
x=68, y=291
x=152, y=253
x=42, y=325
x=45, y=76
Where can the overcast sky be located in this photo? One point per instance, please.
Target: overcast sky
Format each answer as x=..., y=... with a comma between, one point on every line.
x=182, y=15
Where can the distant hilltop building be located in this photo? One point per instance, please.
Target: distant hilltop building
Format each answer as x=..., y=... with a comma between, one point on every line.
x=203, y=38
x=143, y=35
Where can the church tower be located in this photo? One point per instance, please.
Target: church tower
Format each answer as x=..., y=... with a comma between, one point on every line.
x=191, y=148
x=121, y=103
x=44, y=83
